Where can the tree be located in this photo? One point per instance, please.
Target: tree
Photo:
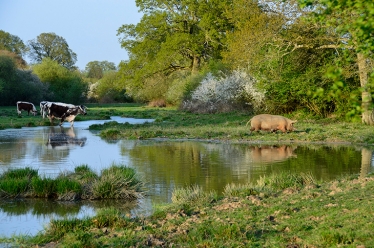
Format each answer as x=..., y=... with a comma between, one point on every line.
x=353, y=22
x=306, y=57
x=65, y=85
x=54, y=47
x=108, y=90
x=12, y=43
x=18, y=60
x=18, y=84
x=96, y=69
x=173, y=36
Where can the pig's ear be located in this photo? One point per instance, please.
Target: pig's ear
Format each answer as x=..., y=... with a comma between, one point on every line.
x=294, y=121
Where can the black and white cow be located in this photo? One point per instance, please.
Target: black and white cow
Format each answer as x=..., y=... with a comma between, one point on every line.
x=26, y=106
x=43, y=108
x=45, y=105
x=64, y=111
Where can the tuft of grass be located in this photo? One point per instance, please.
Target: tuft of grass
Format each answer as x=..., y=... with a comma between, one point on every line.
x=19, y=173
x=193, y=195
x=117, y=182
x=11, y=188
x=239, y=190
x=109, y=217
x=286, y=180
x=43, y=187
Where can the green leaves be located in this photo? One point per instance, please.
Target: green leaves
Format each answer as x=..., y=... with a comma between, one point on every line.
x=172, y=36
x=54, y=47
x=12, y=43
x=67, y=86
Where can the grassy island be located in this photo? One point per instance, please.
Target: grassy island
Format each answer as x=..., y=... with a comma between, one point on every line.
x=116, y=182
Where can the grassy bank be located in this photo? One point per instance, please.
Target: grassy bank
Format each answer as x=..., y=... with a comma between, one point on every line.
x=174, y=124
x=116, y=182
x=277, y=211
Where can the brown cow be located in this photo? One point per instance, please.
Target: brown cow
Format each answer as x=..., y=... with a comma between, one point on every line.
x=271, y=123
x=26, y=106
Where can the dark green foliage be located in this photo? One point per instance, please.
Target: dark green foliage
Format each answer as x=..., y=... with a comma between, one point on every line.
x=19, y=85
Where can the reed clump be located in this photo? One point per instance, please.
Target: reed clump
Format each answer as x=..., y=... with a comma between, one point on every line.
x=115, y=182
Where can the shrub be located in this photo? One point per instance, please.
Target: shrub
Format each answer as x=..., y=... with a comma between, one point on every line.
x=223, y=94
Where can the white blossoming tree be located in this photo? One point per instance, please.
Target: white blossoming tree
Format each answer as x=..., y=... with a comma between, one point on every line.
x=227, y=93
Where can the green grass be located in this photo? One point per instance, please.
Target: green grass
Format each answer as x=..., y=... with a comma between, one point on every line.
x=277, y=211
x=116, y=182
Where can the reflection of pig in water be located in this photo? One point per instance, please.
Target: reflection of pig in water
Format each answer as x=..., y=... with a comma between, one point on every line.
x=269, y=154
x=59, y=139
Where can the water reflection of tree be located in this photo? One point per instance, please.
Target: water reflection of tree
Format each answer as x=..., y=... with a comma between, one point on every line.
x=366, y=161
x=7, y=157
x=325, y=162
x=46, y=207
x=166, y=165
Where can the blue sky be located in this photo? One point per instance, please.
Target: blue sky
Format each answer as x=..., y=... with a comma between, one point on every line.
x=88, y=26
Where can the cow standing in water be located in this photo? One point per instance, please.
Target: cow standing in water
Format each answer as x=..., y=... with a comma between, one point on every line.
x=26, y=106
x=64, y=111
x=43, y=108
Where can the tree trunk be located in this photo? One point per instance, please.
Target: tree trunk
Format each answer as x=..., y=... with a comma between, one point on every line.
x=366, y=96
x=195, y=64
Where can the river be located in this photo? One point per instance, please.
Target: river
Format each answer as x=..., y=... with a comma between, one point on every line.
x=162, y=164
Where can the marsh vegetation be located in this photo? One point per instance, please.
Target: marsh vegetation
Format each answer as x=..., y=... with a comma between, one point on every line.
x=115, y=182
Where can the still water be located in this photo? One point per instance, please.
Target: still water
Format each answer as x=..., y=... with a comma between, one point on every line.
x=162, y=164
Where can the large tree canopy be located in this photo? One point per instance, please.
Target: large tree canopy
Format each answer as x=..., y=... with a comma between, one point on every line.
x=12, y=43
x=172, y=36
x=50, y=45
x=97, y=69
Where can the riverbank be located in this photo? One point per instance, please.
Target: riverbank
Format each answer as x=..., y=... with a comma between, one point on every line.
x=277, y=211
x=171, y=123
